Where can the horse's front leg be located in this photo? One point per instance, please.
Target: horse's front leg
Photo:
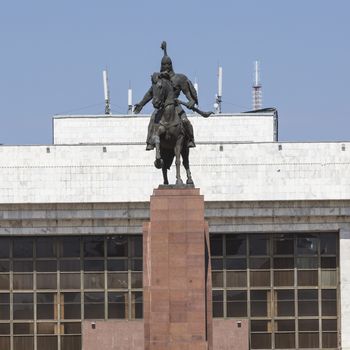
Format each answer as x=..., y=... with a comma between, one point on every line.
x=177, y=150
x=158, y=163
x=165, y=175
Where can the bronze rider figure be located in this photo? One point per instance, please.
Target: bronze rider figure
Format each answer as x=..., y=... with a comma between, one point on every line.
x=181, y=84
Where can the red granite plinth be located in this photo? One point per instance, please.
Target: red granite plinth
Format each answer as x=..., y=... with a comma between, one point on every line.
x=177, y=276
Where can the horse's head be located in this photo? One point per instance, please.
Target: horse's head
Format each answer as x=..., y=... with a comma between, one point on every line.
x=161, y=86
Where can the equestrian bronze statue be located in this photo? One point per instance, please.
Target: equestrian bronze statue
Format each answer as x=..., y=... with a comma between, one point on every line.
x=169, y=130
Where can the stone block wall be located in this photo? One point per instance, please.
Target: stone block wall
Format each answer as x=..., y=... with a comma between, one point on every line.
x=240, y=127
x=223, y=171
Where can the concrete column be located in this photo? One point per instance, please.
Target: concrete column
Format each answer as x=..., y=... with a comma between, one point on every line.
x=344, y=263
x=177, y=303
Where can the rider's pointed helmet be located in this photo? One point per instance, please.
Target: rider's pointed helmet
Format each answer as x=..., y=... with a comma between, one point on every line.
x=166, y=64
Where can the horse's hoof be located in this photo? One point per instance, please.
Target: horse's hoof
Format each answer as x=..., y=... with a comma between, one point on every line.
x=158, y=163
x=189, y=182
x=179, y=182
x=166, y=183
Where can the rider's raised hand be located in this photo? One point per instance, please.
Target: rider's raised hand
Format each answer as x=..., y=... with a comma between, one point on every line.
x=137, y=108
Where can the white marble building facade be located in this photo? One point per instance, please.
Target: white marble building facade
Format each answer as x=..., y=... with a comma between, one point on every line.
x=97, y=169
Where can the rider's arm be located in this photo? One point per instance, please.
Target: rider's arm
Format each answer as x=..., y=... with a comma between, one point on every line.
x=187, y=92
x=148, y=97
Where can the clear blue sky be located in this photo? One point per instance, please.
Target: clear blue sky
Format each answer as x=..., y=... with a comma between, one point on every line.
x=53, y=54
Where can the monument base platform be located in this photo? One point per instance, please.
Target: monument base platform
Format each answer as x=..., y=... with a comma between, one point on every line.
x=177, y=276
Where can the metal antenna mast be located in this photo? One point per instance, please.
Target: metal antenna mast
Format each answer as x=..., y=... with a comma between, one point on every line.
x=257, y=88
x=106, y=93
x=196, y=85
x=218, y=97
x=129, y=99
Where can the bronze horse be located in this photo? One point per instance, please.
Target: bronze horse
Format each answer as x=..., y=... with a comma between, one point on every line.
x=168, y=133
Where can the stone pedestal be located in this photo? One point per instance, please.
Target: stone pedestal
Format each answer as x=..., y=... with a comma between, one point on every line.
x=177, y=276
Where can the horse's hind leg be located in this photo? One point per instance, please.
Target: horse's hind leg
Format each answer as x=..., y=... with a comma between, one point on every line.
x=185, y=161
x=178, y=160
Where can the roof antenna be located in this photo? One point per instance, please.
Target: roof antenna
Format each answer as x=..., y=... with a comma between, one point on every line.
x=257, y=93
x=218, y=96
x=129, y=99
x=106, y=93
x=195, y=85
